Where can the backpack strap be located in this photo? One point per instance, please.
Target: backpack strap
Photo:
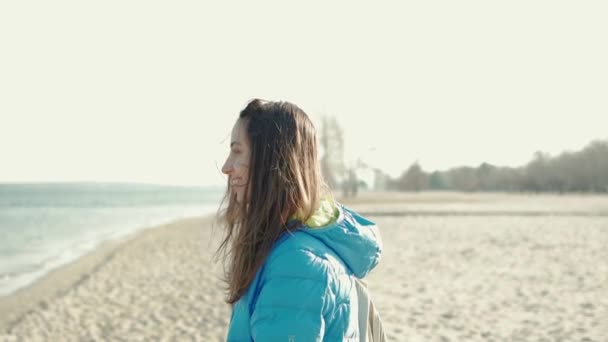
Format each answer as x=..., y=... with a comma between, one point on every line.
x=370, y=324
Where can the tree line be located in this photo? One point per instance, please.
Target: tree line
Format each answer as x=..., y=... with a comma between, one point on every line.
x=581, y=171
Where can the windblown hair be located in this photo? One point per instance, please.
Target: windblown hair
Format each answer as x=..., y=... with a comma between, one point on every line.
x=284, y=179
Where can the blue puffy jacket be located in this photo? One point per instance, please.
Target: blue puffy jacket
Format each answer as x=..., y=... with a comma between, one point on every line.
x=305, y=290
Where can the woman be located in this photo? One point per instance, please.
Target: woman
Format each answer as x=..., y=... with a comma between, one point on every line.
x=292, y=252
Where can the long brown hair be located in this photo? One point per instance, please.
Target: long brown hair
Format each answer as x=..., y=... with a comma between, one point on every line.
x=284, y=179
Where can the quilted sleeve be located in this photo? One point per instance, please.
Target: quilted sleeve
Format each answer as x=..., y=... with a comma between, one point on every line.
x=292, y=299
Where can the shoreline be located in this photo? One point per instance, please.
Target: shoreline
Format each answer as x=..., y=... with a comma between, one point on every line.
x=67, y=277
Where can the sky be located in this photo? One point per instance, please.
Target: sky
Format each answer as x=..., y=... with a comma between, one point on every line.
x=148, y=91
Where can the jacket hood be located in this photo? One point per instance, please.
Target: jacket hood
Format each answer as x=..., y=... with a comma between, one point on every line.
x=355, y=239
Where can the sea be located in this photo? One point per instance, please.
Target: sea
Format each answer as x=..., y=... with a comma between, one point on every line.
x=46, y=225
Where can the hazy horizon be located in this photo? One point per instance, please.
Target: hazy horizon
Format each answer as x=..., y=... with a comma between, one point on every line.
x=143, y=92
x=219, y=184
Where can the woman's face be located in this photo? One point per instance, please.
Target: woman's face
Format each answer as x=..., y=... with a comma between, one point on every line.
x=236, y=166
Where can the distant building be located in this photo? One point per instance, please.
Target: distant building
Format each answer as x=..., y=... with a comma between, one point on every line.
x=381, y=180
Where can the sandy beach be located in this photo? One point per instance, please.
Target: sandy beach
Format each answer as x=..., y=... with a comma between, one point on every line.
x=455, y=267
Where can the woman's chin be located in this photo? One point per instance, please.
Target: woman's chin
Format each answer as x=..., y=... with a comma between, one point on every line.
x=237, y=195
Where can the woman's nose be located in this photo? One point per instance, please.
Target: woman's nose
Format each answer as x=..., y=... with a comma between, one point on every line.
x=227, y=168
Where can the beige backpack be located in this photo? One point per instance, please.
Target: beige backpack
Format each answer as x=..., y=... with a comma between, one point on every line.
x=370, y=324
